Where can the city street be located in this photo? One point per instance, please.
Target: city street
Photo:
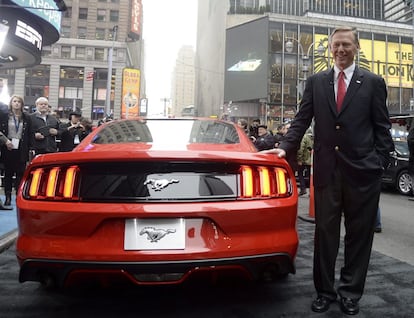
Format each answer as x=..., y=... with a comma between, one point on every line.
x=388, y=291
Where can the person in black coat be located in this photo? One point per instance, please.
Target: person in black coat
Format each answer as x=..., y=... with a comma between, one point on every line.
x=265, y=140
x=352, y=145
x=15, y=125
x=72, y=133
x=44, y=128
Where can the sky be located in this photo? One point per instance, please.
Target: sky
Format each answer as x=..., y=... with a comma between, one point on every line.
x=168, y=25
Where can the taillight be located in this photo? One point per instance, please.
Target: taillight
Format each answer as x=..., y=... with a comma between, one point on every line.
x=264, y=182
x=52, y=183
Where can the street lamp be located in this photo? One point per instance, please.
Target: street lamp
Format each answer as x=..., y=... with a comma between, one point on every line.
x=305, y=57
x=109, y=78
x=305, y=60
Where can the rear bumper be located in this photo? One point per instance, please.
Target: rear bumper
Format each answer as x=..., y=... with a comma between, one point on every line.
x=64, y=273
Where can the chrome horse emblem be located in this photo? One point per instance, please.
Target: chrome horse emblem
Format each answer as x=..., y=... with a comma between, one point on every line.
x=154, y=235
x=159, y=184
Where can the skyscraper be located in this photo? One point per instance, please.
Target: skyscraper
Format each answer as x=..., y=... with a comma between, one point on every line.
x=182, y=92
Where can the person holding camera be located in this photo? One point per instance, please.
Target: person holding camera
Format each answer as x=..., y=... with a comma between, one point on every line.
x=71, y=133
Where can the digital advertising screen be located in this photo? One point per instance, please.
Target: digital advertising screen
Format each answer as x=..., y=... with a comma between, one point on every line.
x=246, y=63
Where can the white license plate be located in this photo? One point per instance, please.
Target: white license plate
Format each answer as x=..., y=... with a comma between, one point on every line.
x=154, y=234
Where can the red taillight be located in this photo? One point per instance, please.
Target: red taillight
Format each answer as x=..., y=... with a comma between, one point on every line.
x=54, y=183
x=264, y=182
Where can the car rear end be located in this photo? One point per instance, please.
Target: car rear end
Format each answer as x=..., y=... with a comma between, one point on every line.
x=155, y=215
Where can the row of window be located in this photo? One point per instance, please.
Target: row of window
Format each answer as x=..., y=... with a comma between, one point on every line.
x=43, y=71
x=82, y=53
x=100, y=33
x=101, y=14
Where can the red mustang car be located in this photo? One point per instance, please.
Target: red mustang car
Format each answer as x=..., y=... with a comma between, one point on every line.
x=156, y=201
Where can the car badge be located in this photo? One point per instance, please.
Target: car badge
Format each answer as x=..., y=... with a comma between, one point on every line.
x=159, y=184
x=154, y=235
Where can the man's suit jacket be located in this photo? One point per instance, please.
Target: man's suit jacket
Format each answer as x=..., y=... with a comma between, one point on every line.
x=356, y=140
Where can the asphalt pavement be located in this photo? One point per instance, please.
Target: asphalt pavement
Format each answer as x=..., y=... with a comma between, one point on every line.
x=389, y=288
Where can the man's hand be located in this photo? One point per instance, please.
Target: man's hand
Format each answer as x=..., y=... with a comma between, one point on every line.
x=277, y=151
x=39, y=136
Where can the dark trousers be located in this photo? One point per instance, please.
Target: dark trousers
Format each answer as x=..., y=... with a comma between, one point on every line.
x=358, y=205
x=12, y=167
x=302, y=172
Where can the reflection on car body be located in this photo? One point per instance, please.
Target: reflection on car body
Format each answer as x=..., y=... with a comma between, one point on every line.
x=397, y=175
x=157, y=201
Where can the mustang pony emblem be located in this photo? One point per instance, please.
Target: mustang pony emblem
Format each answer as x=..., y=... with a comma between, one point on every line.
x=160, y=184
x=154, y=235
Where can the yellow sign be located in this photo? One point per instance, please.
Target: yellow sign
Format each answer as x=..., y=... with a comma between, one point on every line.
x=130, y=93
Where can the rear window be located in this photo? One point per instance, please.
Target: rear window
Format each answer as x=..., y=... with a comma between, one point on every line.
x=168, y=130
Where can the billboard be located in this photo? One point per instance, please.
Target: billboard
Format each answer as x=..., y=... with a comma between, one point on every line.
x=246, y=62
x=391, y=60
x=45, y=9
x=136, y=19
x=130, y=93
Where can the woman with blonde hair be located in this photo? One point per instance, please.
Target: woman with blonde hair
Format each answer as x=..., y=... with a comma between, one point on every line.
x=15, y=152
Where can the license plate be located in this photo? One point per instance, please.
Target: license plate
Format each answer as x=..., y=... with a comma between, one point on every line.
x=154, y=234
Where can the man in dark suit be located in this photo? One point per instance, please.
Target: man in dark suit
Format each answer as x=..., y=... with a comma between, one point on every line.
x=352, y=144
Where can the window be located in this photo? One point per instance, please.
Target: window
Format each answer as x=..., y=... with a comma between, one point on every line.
x=70, y=92
x=68, y=13
x=65, y=52
x=80, y=53
x=46, y=51
x=114, y=16
x=99, y=54
x=110, y=34
x=100, y=34
x=81, y=33
x=65, y=31
x=71, y=72
x=101, y=15
x=36, y=91
x=39, y=71
x=115, y=1
x=83, y=13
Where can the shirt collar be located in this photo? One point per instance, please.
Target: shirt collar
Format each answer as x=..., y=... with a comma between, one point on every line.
x=349, y=71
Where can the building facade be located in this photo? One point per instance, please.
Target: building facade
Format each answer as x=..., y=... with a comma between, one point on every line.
x=297, y=46
x=96, y=36
x=182, y=86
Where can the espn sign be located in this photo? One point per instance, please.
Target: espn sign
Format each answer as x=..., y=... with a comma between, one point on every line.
x=29, y=34
x=136, y=19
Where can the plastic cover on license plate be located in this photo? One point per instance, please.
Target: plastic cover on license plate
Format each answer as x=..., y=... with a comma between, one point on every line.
x=154, y=234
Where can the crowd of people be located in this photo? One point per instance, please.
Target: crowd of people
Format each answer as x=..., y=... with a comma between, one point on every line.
x=24, y=135
x=265, y=139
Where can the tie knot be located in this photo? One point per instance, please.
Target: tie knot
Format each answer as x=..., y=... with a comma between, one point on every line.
x=341, y=75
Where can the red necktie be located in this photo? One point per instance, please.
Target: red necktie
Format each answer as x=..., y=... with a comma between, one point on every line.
x=341, y=90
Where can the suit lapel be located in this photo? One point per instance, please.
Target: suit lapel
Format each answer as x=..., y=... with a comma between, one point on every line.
x=330, y=89
x=354, y=85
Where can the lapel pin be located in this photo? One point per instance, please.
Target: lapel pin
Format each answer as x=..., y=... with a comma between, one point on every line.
x=358, y=82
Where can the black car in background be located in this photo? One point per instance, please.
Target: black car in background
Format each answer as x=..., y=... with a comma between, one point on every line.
x=396, y=175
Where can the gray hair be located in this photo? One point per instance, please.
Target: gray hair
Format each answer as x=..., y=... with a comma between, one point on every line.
x=345, y=29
